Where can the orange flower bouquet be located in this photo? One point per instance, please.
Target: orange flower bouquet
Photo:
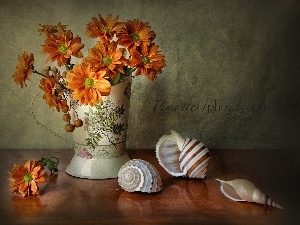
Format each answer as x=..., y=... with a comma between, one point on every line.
x=121, y=49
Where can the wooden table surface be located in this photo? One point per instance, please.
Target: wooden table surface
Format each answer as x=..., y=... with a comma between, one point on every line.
x=68, y=200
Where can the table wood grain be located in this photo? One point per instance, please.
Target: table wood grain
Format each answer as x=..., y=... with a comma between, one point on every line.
x=69, y=200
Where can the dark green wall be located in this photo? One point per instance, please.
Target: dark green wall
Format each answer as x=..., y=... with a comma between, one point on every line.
x=231, y=80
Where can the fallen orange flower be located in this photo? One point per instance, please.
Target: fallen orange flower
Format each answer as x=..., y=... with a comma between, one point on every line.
x=25, y=178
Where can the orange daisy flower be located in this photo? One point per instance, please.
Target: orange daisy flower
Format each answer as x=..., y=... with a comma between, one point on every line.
x=24, y=179
x=104, y=29
x=24, y=68
x=62, y=46
x=106, y=56
x=88, y=84
x=148, y=62
x=134, y=33
x=51, y=29
x=52, y=98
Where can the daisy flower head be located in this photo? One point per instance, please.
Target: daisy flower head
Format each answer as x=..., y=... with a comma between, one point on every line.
x=105, y=29
x=107, y=56
x=52, y=98
x=61, y=46
x=148, y=60
x=24, y=68
x=87, y=84
x=25, y=178
x=134, y=33
x=51, y=29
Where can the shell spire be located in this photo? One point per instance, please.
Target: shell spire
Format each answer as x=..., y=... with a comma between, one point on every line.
x=139, y=175
x=178, y=139
x=244, y=190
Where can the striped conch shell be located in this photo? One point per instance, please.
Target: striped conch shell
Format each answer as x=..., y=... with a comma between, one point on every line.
x=182, y=156
x=244, y=190
x=139, y=175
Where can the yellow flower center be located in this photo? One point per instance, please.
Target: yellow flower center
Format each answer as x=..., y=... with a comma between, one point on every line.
x=106, y=60
x=145, y=60
x=89, y=82
x=63, y=49
x=135, y=37
x=27, y=177
x=106, y=29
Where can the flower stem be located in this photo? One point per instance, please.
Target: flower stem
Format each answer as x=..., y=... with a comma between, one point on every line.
x=39, y=73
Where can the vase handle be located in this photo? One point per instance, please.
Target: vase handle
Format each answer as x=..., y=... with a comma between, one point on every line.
x=43, y=126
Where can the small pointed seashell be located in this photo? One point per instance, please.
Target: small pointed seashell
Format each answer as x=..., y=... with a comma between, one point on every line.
x=139, y=175
x=244, y=190
x=182, y=156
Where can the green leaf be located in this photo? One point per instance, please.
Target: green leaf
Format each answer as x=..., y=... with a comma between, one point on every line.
x=50, y=164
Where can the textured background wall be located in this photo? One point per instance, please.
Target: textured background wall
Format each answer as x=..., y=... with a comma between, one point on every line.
x=231, y=80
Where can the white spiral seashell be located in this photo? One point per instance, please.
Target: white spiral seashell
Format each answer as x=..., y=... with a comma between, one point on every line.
x=139, y=175
x=182, y=156
x=244, y=190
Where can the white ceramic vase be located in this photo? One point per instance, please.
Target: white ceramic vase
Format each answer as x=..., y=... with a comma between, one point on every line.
x=100, y=144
